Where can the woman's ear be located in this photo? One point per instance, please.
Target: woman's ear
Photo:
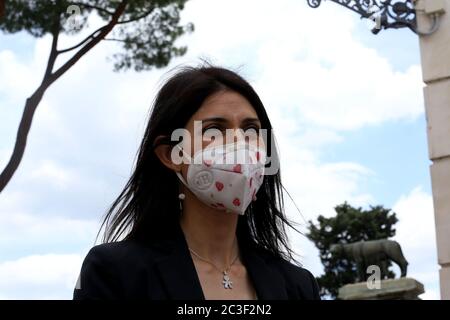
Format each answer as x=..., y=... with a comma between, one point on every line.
x=164, y=153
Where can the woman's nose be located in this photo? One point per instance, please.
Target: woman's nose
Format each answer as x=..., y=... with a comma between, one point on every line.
x=238, y=135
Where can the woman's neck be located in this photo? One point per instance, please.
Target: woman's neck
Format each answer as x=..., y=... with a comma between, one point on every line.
x=209, y=232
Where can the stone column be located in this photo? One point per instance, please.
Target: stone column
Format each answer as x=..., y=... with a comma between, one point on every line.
x=435, y=56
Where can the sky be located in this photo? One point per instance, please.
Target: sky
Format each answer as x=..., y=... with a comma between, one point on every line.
x=346, y=106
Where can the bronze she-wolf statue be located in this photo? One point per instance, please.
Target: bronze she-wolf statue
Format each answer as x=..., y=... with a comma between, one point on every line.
x=375, y=252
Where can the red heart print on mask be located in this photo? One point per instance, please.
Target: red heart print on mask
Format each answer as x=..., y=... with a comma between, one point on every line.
x=236, y=202
x=219, y=185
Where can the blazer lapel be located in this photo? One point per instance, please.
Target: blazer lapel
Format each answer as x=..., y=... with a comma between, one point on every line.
x=177, y=271
x=267, y=281
x=179, y=276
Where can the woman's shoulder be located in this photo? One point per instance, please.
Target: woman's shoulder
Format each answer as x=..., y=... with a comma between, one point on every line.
x=108, y=268
x=122, y=253
x=117, y=249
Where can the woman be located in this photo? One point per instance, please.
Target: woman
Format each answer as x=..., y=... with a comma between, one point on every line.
x=205, y=229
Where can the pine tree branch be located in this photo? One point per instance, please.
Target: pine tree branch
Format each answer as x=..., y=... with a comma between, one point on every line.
x=145, y=14
x=91, y=36
x=114, y=39
x=105, y=30
x=89, y=6
x=53, y=54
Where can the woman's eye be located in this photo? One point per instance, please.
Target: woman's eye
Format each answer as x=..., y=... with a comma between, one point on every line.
x=255, y=128
x=216, y=127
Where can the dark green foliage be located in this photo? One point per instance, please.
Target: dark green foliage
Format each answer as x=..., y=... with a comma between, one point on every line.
x=149, y=41
x=147, y=29
x=349, y=225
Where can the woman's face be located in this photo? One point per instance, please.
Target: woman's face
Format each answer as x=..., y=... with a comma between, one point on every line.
x=224, y=117
x=227, y=115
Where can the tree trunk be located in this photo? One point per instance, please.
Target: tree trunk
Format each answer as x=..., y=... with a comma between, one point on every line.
x=22, y=134
x=2, y=8
x=49, y=77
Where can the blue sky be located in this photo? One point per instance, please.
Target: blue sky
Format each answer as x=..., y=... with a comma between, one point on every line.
x=347, y=107
x=397, y=153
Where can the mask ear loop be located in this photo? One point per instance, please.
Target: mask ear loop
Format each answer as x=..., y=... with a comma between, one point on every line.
x=178, y=173
x=181, y=195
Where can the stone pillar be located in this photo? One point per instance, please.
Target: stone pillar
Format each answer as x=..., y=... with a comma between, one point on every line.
x=435, y=56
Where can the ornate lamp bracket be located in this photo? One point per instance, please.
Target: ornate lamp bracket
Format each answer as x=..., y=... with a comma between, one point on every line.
x=386, y=14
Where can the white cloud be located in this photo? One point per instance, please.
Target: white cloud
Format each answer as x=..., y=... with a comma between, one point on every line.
x=416, y=235
x=306, y=62
x=415, y=211
x=19, y=229
x=16, y=79
x=316, y=189
x=49, y=276
x=53, y=174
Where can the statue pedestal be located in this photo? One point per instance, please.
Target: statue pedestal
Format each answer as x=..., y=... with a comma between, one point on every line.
x=390, y=289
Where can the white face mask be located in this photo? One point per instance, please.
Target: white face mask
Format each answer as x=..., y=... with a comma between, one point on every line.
x=226, y=177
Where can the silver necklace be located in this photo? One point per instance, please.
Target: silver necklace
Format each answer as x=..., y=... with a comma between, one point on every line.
x=226, y=281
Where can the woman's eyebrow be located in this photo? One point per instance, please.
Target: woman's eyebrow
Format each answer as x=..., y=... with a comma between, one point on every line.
x=251, y=120
x=215, y=119
x=223, y=120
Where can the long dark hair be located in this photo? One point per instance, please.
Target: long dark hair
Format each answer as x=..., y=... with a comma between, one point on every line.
x=148, y=207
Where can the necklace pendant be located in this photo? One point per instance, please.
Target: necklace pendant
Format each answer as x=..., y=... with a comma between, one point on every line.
x=227, y=283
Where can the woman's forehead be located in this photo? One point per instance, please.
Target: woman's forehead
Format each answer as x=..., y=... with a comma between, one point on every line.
x=226, y=104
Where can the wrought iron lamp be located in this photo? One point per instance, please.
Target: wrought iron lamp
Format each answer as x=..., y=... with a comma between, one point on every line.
x=385, y=13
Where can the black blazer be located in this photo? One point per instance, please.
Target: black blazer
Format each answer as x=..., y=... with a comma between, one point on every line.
x=133, y=270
